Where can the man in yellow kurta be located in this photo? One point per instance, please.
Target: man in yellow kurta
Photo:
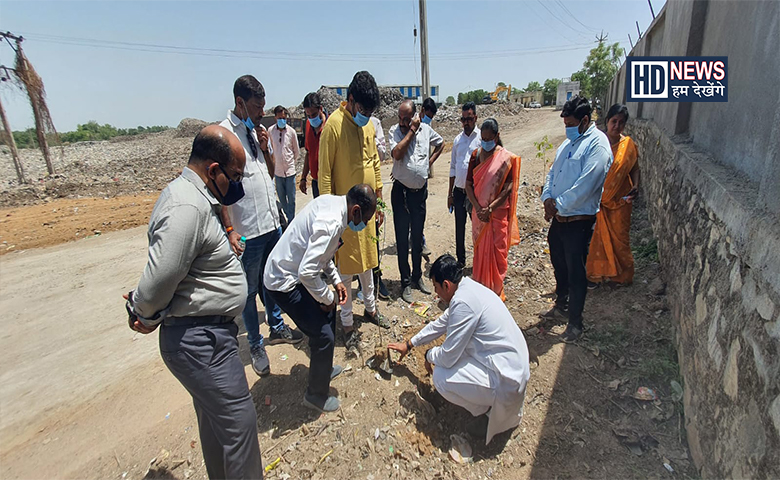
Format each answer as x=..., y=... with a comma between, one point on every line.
x=348, y=157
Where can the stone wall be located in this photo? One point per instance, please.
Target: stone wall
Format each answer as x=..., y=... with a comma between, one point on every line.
x=721, y=259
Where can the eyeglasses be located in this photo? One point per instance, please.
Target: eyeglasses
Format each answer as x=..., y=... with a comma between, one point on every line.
x=240, y=176
x=467, y=119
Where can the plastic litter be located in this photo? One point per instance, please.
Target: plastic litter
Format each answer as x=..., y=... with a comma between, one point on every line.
x=646, y=394
x=460, y=451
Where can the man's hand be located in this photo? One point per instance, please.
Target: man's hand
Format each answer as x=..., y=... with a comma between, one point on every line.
x=416, y=121
x=549, y=209
x=380, y=218
x=341, y=291
x=400, y=347
x=302, y=185
x=135, y=324
x=262, y=137
x=235, y=242
x=329, y=308
x=450, y=202
x=428, y=367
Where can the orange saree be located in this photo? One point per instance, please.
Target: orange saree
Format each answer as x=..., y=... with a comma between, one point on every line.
x=493, y=239
x=610, y=258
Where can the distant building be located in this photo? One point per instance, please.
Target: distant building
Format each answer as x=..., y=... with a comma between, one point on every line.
x=566, y=90
x=526, y=98
x=413, y=92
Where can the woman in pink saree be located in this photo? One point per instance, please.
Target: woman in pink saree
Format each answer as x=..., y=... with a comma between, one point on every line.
x=491, y=185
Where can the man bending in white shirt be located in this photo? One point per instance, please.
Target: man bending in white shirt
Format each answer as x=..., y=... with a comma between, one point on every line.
x=292, y=278
x=482, y=365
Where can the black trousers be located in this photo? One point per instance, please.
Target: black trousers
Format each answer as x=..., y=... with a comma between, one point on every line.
x=409, y=214
x=204, y=358
x=319, y=327
x=569, y=243
x=462, y=209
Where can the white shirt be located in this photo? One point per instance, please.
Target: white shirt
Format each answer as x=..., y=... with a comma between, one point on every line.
x=479, y=327
x=307, y=248
x=255, y=214
x=462, y=147
x=379, y=139
x=286, y=150
x=412, y=169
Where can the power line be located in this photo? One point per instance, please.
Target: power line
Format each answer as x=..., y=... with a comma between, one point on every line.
x=580, y=32
x=349, y=57
x=560, y=3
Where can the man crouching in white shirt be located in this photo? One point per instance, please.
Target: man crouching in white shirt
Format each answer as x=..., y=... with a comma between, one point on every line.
x=292, y=278
x=482, y=365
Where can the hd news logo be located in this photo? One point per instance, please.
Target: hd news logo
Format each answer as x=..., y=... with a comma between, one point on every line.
x=677, y=79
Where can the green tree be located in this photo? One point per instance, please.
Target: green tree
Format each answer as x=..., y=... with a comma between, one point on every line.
x=475, y=96
x=533, y=87
x=450, y=100
x=501, y=84
x=550, y=89
x=598, y=70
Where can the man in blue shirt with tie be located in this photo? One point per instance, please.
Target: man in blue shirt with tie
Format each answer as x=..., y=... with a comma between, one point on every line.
x=571, y=196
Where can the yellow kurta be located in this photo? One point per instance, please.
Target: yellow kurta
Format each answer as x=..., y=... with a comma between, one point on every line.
x=348, y=157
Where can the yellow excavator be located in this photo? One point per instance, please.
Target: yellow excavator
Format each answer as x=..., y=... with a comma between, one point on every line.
x=501, y=94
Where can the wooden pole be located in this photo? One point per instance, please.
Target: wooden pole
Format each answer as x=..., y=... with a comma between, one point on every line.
x=12, y=143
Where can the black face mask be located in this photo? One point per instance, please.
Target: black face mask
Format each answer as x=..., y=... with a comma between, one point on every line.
x=234, y=193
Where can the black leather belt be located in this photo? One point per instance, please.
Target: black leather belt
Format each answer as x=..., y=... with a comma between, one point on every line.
x=195, y=321
x=574, y=218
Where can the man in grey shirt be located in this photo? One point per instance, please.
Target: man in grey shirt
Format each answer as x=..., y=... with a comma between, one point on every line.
x=193, y=285
x=410, y=147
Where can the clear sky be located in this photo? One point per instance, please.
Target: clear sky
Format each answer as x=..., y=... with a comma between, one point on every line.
x=93, y=67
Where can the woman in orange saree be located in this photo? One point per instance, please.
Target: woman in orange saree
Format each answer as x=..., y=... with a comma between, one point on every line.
x=610, y=258
x=491, y=185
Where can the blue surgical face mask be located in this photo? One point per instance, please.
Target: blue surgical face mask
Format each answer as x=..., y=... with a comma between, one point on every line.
x=488, y=146
x=361, y=119
x=315, y=122
x=573, y=133
x=356, y=228
x=281, y=123
x=248, y=121
x=427, y=120
x=234, y=193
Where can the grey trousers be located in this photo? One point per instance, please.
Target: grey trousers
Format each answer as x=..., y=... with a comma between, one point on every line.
x=204, y=358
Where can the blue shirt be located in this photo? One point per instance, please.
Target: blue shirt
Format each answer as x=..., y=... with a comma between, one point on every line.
x=576, y=178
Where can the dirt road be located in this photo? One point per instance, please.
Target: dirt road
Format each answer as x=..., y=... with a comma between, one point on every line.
x=84, y=397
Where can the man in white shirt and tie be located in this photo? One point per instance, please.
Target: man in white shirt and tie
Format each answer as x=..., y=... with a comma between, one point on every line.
x=482, y=365
x=292, y=278
x=457, y=201
x=255, y=217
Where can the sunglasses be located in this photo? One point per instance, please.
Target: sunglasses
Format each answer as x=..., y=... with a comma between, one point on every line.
x=467, y=119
